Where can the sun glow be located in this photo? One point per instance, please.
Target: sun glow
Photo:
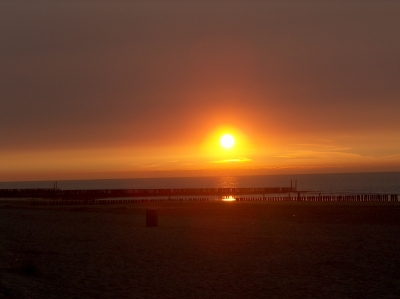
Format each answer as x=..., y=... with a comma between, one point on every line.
x=228, y=198
x=227, y=140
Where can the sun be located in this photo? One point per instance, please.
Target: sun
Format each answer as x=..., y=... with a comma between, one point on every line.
x=227, y=141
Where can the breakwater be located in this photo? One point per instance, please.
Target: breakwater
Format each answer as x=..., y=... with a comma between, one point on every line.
x=119, y=193
x=123, y=196
x=326, y=198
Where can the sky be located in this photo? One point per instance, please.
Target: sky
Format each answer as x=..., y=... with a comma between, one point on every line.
x=119, y=89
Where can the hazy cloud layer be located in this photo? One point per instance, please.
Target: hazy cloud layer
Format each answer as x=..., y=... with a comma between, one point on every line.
x=95, y=73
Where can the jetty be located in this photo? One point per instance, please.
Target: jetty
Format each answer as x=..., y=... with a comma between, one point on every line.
x=55, y=196
x=90, y=194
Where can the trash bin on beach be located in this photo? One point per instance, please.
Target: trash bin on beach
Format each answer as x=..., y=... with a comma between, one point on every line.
x=151, y=218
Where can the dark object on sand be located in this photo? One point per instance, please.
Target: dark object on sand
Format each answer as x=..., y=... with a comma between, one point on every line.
x=30, y=270
x=151, y=218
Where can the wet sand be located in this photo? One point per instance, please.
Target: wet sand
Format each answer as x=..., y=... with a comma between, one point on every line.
x=201, y=250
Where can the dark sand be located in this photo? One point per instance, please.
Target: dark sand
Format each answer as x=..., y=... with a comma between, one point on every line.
x=201, y=250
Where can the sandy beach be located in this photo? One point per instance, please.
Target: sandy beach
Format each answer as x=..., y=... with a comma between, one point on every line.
x=201, y=250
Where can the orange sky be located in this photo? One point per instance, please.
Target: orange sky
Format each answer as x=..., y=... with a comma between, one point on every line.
x=138, y=89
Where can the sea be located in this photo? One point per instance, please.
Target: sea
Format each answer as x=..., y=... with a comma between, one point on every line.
x=337, y=183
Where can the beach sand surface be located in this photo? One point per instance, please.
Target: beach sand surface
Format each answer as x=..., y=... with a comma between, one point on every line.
x=201, y=250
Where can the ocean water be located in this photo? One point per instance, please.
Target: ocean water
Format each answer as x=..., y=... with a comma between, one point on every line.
x=382, y=183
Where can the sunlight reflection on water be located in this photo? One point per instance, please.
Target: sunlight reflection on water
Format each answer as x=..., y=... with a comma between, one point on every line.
x=228, y=182
x=388, y=183
x=228, y=198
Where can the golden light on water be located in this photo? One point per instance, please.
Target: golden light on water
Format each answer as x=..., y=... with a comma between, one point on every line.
x=228, y=198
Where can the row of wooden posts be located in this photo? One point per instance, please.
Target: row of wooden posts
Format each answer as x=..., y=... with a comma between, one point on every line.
x=332, y=198
x=107, y=201
x=324, y=198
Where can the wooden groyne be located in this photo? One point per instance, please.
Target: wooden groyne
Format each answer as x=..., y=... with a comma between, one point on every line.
x=112, y=201
x=120, y=193
x=325, y=198
x=48, y=197
x=328, y=198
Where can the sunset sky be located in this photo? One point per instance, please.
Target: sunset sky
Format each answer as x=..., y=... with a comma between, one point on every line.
x=119, y=89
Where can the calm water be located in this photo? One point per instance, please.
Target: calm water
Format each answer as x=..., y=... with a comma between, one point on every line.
x=388, y=183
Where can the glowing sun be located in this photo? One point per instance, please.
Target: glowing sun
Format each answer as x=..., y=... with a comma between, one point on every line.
x=227, y=141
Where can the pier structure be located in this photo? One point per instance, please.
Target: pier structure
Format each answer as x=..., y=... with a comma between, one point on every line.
x=90, y=194
x=54, y=196
x=328, y=198
x=113, y=201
